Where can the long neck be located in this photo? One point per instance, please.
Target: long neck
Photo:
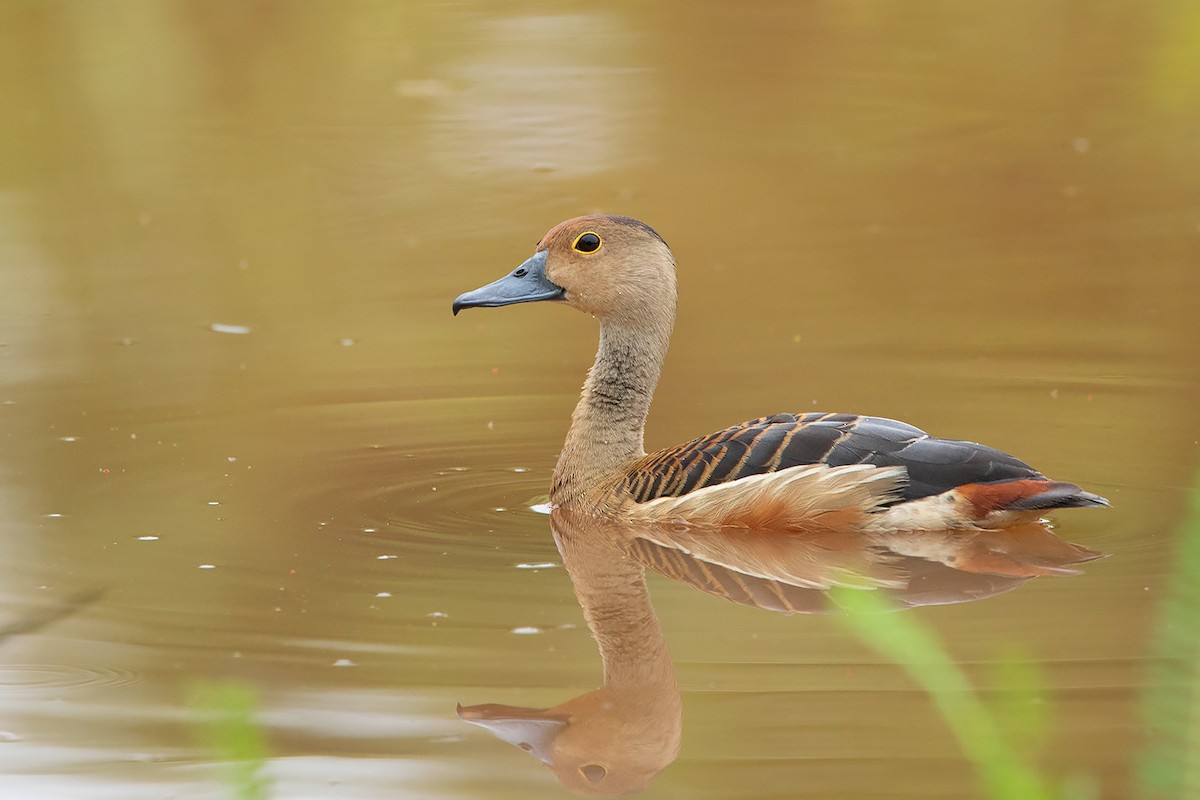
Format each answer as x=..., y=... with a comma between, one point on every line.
x=609, y=422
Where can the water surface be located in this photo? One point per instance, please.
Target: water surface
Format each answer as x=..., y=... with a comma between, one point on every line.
x=234, y=400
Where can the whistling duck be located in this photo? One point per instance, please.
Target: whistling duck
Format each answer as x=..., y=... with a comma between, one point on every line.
x=777, y=472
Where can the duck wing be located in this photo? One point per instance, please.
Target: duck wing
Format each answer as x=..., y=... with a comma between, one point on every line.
x=779, y=442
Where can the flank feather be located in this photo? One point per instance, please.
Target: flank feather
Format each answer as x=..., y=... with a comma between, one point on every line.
x=799, y=498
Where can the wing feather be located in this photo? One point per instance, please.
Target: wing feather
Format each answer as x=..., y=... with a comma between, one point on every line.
x=785, y=441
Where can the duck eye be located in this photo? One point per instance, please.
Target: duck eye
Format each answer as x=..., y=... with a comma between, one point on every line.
x=593, y=772
x=587, y=242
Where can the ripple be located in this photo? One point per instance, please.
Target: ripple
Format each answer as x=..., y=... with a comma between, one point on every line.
x=431, y=497
x=25, y=677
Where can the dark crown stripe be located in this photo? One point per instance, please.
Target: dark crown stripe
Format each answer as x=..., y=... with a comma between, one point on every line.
x=630, y=222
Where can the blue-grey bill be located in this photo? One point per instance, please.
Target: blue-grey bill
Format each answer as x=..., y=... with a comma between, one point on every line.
x=526, y=284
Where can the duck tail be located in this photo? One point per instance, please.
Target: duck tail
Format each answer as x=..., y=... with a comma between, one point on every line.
x=998, y=504
x=1034, y=494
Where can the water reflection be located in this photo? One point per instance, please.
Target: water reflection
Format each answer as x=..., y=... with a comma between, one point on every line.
x=615, y=740
x=531, y=94
x=39, y=618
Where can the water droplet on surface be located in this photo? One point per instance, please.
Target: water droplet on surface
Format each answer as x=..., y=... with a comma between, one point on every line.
x=526, y=630
x=207, y=566
x=221, y=327
x=344, y=662
x=539, y=565
x=541, y=508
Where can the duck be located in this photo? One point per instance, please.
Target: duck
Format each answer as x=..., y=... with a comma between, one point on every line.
x=786, y=471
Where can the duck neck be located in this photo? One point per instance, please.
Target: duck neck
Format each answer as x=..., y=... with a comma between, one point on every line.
x=608, y=424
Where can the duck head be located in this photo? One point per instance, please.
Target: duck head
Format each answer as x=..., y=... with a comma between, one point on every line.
x=612, y=267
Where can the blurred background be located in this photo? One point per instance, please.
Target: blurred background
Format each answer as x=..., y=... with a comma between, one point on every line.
x=234, y=398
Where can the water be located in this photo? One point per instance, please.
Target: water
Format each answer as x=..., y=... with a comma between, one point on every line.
x=229, y=238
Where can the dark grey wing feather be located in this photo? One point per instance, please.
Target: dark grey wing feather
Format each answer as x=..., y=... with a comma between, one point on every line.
x=769, y=444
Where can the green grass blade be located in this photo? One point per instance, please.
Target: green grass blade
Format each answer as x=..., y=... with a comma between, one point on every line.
x=904, y=640
x=227, y=726
x=1170, y=765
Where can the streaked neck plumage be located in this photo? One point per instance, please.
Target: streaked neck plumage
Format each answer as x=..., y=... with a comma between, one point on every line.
x=609, y=422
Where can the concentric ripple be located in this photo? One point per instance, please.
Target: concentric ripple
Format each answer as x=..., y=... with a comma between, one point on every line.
x=58, y=677
x=430, y=497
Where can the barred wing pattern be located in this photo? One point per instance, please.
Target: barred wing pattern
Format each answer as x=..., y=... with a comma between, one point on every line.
x=770, y=444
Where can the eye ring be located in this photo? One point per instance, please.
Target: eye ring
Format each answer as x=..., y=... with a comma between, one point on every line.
x=593, y=772
x=587, y=242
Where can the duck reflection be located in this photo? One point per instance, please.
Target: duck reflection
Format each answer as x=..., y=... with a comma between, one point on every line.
x=615, y=740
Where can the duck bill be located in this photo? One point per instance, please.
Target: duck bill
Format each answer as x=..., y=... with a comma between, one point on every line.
x=531, y=729
x=526, y=284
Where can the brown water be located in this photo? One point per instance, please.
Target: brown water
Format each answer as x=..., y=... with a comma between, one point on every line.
x=234, y=398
